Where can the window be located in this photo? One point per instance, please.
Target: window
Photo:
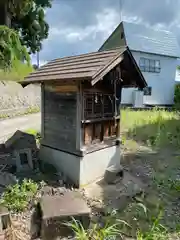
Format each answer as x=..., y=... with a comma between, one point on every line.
x=149, y=65
x=122, y=35
x=157, y=66
x=23, y=158
x=98, y=105
x=98, y=117
x=147, y=91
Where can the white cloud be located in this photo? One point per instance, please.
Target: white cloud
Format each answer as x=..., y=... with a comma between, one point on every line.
x=105, y=22
x=34, y=60
x=76, y=27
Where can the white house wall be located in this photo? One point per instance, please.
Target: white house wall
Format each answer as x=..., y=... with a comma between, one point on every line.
x=162, y=83
x=127, y=96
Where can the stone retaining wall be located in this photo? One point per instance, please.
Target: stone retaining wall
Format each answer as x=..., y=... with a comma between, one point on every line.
x=13, y=95
x=16, y=100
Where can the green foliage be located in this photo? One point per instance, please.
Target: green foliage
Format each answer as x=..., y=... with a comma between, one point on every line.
x=33, y=132
x=155, y=128
x=17, y=197
x=156, y=230
x=114, y=228
x=20, y=8
x=30, y=110
x=177, y=96
x=97, y=232
x=30, y=23
x=17, y=72
x=11, y=49
x=36, y=133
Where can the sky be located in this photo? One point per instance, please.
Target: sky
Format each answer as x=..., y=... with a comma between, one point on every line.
x=81, y=26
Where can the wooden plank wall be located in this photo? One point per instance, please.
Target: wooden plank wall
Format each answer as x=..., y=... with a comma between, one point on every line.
x=60, y=118
x=99, y=131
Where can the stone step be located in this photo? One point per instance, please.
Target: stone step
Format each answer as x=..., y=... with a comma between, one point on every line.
x=57, y=210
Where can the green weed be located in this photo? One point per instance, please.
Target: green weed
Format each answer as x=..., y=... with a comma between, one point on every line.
x=121, y=228
x=29, y=110
x=17, y=72
x=96, y=232
x=154, y=128
x=17, y=197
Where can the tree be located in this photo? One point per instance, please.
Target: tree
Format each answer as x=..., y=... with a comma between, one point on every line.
x=11, y=49
x=28, y=18
x=35, y=66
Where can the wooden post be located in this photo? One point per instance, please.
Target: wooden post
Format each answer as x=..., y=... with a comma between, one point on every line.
x=118, y=107
x=42, y=109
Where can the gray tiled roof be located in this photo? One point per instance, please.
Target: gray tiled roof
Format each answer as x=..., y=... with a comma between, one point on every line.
x=146, y=39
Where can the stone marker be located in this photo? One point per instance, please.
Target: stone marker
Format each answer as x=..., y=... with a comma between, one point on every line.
x=7, y=179
x=57, y=210
x=4, y=219
x=113, y=174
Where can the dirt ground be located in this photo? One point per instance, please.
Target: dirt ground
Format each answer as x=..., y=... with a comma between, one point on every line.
x=160, y=170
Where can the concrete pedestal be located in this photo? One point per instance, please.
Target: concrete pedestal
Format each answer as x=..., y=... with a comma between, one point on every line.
x=82, y=170
x=57, y=210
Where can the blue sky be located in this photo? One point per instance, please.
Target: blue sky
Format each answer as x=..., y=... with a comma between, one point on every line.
x=80, y=26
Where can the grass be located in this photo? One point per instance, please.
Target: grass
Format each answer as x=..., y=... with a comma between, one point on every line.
x=29, y=110
x=155, y=215
x=156, y=128
x=116, y=228
x=17, y=73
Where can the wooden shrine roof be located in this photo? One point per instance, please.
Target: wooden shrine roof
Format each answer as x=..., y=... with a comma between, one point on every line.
x=91, y=66
x=76, y=67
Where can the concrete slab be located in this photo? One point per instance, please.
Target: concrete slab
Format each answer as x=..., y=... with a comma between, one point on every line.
x=57, y=210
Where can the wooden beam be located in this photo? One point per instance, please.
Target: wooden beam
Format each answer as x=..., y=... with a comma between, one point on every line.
x=107, y=69
x=42, y=110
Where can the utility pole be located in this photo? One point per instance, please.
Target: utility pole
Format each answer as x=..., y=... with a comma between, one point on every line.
x=38, y=62
x=120, y=4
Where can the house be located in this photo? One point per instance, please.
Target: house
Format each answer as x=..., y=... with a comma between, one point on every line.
x=81, y=98
x=177, y=79
x=156, y=53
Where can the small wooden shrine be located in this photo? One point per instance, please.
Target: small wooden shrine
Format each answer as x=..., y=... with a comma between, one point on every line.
x=81, y=98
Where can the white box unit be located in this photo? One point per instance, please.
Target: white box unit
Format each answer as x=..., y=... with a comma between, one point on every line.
x=138, y=98
x=127, y=96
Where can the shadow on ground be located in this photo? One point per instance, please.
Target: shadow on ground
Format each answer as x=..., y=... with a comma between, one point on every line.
x=150, y=155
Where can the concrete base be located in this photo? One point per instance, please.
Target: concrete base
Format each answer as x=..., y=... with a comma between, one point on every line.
x=82, y=170
x=57, y=210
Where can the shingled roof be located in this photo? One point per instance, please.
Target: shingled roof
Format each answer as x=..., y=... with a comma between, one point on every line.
x=139, y=37
x=91, y=66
